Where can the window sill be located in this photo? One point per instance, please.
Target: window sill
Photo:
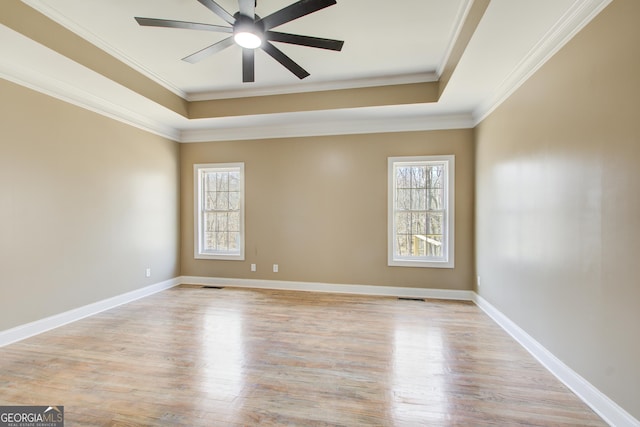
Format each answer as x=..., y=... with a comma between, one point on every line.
x=421, y=264
x=220, y=257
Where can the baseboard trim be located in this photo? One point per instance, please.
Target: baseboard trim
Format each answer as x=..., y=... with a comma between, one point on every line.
x=606, y=408
x=450, y=294
x=28, y=330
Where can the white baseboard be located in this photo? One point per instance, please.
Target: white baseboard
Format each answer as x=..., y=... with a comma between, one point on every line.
x=606, y=408
x=450, y=294
x=27, y=330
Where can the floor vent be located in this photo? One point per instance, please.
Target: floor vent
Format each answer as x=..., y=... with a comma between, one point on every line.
x=212, y=287
x=410, y=299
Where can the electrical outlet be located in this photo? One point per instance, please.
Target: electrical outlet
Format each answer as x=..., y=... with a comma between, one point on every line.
x=275, y=268
x=253, y=267
x=147, y=272
x=478, y=281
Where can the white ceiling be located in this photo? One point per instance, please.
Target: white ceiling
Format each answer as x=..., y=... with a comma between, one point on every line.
x=377, y=44
x=385, y=43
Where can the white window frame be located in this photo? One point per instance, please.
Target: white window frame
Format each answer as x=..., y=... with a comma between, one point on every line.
x=198, y=172
x=447, y=260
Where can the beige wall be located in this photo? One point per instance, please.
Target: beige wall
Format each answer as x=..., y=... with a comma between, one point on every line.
x=558, y=205
x=318, y=208
x=86, y=203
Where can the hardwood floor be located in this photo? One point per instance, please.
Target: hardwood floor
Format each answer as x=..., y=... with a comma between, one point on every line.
x=205, y=357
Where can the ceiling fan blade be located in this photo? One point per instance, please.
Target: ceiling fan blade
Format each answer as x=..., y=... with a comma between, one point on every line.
x=295, y=11
x=169, y=23
x=218, y=10
x=248, y=65
x=247, y=8
x=287, y=62
x=320, y=43
x=208, y=51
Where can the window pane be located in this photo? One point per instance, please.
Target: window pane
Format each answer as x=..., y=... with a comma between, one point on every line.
x=403, y=244
x=418, y=177
x=233, y=221
x=222, y=181
x=210, y=223
x=434, y=246
x=234, y=241
x=403, y=200
x=234, y=200
x=403, y=223
x=436, y=200
x=436, y=176
x=210, y=181
x=234, y=181
x=222, y=201
x=209, y=241
x=210, y=200
x=403, y=177
x=418, y=200
x=221, y=241
x=435, y=224
x=418, y=245
x=419, y=223
x=221, y=221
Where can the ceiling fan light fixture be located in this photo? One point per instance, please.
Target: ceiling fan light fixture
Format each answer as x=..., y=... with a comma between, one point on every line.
x=247, y=39
x=246, y=33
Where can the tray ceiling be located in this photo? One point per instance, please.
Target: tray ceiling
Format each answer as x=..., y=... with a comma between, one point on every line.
x=386, y=43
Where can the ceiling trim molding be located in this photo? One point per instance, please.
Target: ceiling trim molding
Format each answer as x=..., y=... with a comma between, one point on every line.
x=317, y=126
x=574, y=20
x=48, y=85
x=92, y=38
x=344, y=99
x=461, y=18
x=285, y=125
x=426, y=77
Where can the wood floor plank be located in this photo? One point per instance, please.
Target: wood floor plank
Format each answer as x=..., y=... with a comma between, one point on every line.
x=200, y=357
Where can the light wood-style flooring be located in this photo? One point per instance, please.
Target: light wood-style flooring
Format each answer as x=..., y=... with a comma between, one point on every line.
x=227, y=357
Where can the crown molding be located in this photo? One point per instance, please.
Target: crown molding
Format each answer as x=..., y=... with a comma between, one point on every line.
x=461, y=17
x=318, y=124
x=425, y=77
x=575, y=19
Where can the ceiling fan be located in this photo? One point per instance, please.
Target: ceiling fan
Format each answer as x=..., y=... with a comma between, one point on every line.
x=250, y=31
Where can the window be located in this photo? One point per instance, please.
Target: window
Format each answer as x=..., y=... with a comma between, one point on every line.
x=420, y=218
x=219, y=211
